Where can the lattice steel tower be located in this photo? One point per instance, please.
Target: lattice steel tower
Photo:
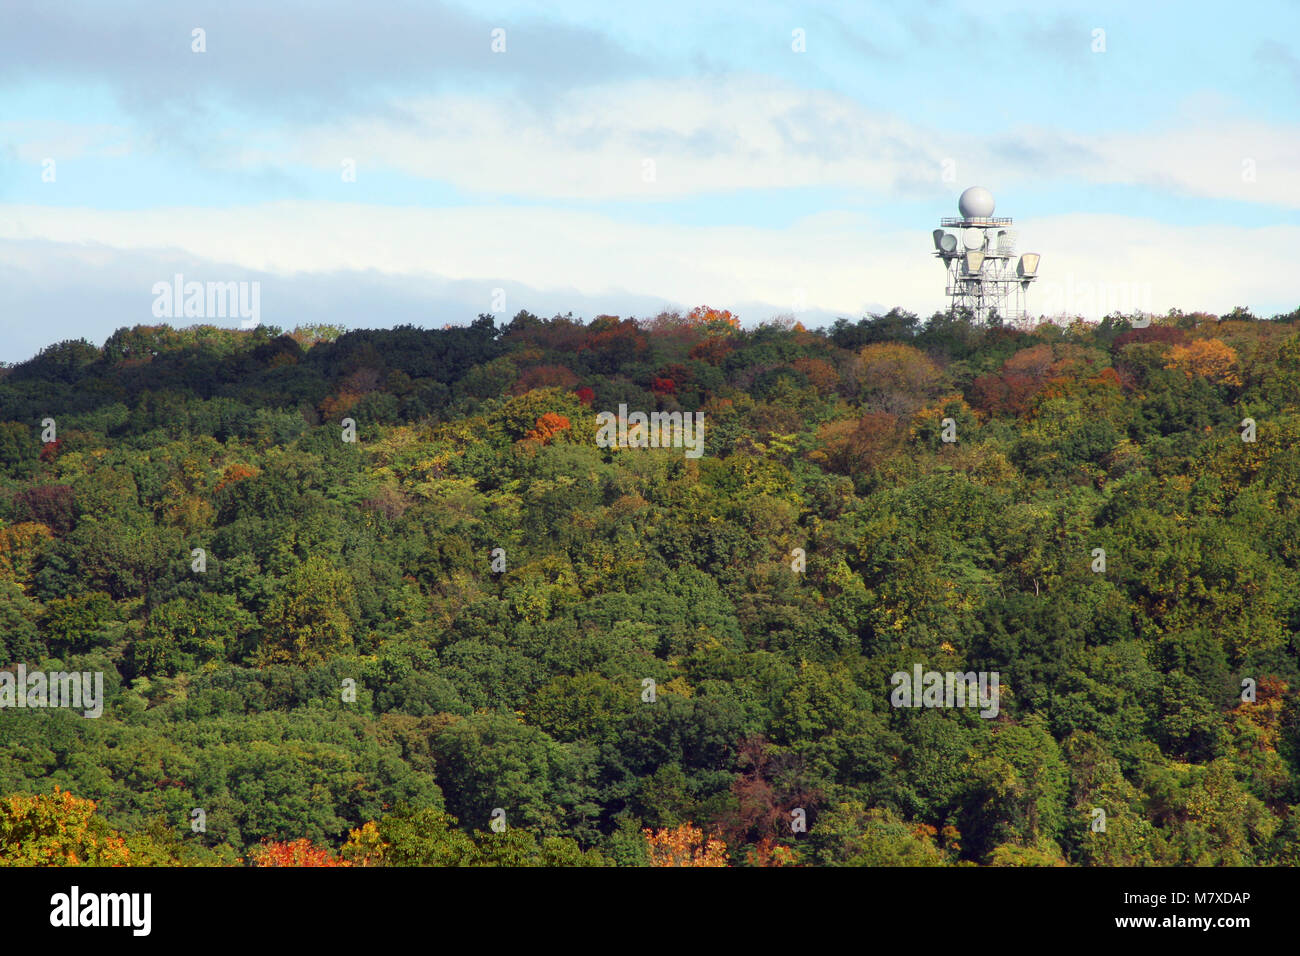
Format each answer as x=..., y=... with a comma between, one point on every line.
x=979, y=255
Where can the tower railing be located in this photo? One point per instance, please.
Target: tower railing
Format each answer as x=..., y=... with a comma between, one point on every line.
x=984, y=221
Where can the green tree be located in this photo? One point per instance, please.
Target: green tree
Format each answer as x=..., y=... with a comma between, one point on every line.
x=312, y=617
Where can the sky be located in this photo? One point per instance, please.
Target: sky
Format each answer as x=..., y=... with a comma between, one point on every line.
x=379, y=164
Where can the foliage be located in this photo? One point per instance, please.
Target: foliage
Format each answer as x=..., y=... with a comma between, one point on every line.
x=357, y=652
x=57, y=830
x=685, y=845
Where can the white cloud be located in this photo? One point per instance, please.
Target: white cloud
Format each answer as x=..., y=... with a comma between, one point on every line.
x=838, y=263
x=749, y=132
x=591, y=144
x=1201, y=156
x=32, y=141
x=729, y=134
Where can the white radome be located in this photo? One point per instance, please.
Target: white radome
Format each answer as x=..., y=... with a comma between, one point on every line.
x=976, y=203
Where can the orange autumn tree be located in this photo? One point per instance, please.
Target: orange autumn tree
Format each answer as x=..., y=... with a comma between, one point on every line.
x=767, y=852
x=685, y=845
x=548, y=426
x=706, y=315
x=297, y=853
x=821, y=374
x=334, y=407
x=236, y=472
x=849, y=447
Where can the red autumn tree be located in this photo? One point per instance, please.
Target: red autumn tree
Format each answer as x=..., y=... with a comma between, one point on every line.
x=766, y=793
x=50, y=505
x=663, y=386
x=621, y=339
x=295, y=853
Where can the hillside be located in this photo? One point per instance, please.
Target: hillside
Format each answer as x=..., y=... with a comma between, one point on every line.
x=375, y=644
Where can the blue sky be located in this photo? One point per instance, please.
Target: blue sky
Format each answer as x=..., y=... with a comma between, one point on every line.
x=627, y=160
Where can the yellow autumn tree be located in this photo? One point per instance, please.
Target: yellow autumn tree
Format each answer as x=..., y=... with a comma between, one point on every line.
x=365, y=846
x=1208, y=358
x=684, y=845
x=57, y=829
x=20, y=546
x=894, y=378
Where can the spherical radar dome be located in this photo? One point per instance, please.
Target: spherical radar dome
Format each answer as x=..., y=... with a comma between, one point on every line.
x=976, y=203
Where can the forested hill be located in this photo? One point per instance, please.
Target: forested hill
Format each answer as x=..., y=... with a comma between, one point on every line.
x=373, y=590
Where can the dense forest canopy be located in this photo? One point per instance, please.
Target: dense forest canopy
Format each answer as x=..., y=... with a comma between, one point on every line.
x=366, y=651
